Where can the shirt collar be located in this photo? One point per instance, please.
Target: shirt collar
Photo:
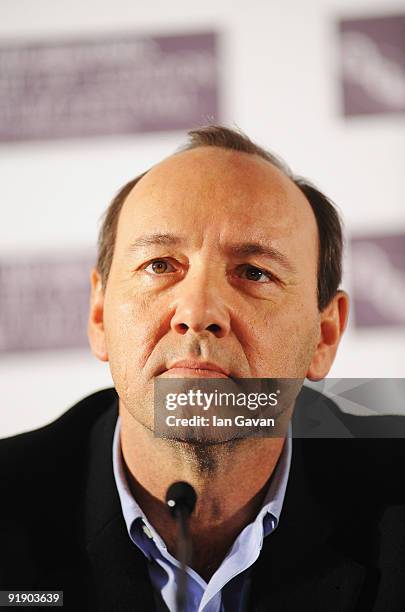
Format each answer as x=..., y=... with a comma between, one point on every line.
x=272, y=504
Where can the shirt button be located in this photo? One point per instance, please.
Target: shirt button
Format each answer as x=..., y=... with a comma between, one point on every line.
x=147, y=532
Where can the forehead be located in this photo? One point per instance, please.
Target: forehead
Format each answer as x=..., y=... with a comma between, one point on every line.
x=228, y=195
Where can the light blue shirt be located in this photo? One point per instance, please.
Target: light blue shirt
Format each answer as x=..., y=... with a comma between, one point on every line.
x=228, y=586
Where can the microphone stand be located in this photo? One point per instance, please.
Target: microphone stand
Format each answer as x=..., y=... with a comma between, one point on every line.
x=184, y=552
x=181, y=499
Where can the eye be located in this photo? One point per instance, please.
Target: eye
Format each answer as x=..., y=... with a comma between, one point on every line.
x=255, y=274
x=159, y=266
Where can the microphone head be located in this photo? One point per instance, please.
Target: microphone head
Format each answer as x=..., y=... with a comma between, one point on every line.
x=181, y=496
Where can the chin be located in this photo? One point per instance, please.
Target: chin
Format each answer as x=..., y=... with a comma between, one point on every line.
x=206, y=438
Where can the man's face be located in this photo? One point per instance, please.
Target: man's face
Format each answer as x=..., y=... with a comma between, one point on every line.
x=215, y=260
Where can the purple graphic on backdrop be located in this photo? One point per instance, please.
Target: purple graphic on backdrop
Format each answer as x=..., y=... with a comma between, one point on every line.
x=121, y=85
x=44, y=303
x=373, y=64
x=378, y=270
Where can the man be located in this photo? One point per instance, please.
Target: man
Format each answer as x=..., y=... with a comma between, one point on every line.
x=217, y=262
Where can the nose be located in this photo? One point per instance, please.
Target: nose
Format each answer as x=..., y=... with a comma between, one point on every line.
x=200, y=308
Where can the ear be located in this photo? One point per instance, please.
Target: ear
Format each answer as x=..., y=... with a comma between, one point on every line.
x=333, y=321
x=95, y=328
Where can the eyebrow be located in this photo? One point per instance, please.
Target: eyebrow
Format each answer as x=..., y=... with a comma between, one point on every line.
x=244, y=249
x=240, y=249
x=155, y=239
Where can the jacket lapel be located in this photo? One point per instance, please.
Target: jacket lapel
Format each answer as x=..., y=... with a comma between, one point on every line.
x=298, y=567
x=119, y=576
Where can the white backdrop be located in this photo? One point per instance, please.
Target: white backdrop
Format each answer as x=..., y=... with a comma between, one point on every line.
x=280, y=84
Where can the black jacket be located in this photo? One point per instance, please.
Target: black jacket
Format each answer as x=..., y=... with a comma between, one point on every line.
x=339, y=546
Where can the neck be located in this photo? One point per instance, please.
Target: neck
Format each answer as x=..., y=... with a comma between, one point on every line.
x=230, y=479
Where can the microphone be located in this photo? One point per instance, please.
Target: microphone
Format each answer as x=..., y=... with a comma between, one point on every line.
x=181, y=499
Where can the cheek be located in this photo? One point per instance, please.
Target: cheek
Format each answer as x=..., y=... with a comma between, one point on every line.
x=129, y=330
x=281, y=341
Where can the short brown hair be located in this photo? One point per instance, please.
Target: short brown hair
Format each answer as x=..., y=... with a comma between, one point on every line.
x=327, y=217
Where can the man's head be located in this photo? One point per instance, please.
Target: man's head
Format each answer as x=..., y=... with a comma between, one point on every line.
x=217, y=254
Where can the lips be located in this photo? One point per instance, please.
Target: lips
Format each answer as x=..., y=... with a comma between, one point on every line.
x=193, y=368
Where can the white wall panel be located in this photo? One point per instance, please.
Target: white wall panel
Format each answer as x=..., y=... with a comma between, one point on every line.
x=279, y=84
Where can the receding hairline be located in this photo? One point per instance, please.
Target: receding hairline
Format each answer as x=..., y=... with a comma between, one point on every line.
x=280, y=171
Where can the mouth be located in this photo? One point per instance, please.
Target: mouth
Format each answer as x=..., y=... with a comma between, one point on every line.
x=195, y=369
